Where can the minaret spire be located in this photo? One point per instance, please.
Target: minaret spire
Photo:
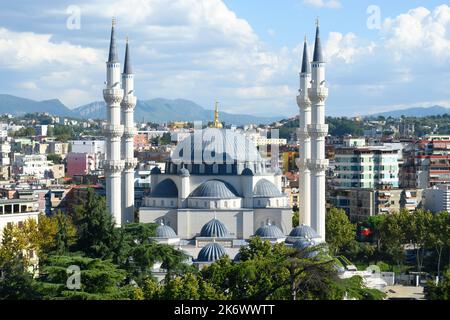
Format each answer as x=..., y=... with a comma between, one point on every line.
x=127, y=69
x=113, y=56
x=306, y=64
x=318, y=55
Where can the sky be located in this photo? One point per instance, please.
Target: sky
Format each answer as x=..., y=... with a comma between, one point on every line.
x=381, y=55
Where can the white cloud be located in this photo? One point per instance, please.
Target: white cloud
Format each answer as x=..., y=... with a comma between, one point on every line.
x=419, y=32
x=333, y=4
x=28, y=49
x=346, y=47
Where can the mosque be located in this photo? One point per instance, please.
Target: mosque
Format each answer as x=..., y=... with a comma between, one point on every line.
x=216, y=191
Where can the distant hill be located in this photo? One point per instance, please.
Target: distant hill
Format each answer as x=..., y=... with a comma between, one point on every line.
x=414, y=112
x=164, y=110
x=19, y=106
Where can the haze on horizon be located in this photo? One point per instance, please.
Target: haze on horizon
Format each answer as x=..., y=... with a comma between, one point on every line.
x=246, y=54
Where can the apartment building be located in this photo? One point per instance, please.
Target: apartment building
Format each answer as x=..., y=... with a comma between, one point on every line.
x=366, y=167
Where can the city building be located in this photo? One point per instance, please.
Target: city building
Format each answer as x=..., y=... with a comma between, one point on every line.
x=35, y=166
x=366, y=167
x=359, y=204
x=16, y=211
x=80, y=163
x=437, y=198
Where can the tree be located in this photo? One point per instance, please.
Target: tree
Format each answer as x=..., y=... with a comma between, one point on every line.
x=439, y=235
x=417, y=229
x=99, y=279
x=97, y=235
x=440, y=291
x=17, y=283
x=340, y=232
x=55, y=158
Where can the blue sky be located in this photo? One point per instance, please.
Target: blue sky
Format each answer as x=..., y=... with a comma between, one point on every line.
x=245, y=53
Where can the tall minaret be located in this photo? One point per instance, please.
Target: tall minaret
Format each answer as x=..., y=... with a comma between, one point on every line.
x=113, y=166
x=304, y=139
x=318, y=130
x=128, y=105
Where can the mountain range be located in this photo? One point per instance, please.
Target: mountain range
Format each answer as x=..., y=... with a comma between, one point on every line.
x=414, y=112
x=155, y=110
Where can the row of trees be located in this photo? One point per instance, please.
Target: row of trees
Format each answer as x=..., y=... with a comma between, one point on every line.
x=424, y=234
x=117, y=263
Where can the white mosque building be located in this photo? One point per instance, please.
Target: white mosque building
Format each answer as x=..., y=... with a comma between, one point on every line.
x=216, y=191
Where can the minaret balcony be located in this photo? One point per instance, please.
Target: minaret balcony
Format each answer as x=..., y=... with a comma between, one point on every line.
x=303, y=133
x=113, y=130
x=318, y=130
x=303, y=101
x=318, y=165
x=129, y=102
x=113, y=166
x=129, y=132
x=113, y=95
x=301, y=163
x=318, y=94
x=130, y=164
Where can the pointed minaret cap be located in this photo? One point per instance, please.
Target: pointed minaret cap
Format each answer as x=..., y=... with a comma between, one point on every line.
x=127, y=65
x=318, y=55
x=113, y=56
x=306, y=65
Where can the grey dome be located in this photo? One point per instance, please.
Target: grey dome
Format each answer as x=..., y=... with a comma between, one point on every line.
x=211, y=252
x=216, y=189
x=278, y=172
x=266, y=189
x=247, y=172
x=304, y=231
x=269, y=231
x=184, y=172
x=155, y=170
x=214, y=228
x=165, y=232
x=302, y=243
x=230, y=145
x=165, y=189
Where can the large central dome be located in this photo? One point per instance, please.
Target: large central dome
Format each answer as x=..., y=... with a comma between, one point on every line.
x=216, y=151
x=216, y=146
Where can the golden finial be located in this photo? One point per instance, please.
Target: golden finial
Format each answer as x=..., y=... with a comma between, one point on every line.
x=306, y=38
x=127, y=39
x=113, y=21
x=217, y=124
x=317, y=22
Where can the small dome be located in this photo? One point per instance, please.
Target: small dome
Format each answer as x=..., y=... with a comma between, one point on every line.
x=247, y=172
x=214, y=229
x=211, y=252
x=165, y=232
x=304, y=231
x=278, y=172
x=302, y=243
x=216, y=189
x=269, y=231
x=155, y=170
x=184, y=172
x=165, y=189
x=266, y=189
